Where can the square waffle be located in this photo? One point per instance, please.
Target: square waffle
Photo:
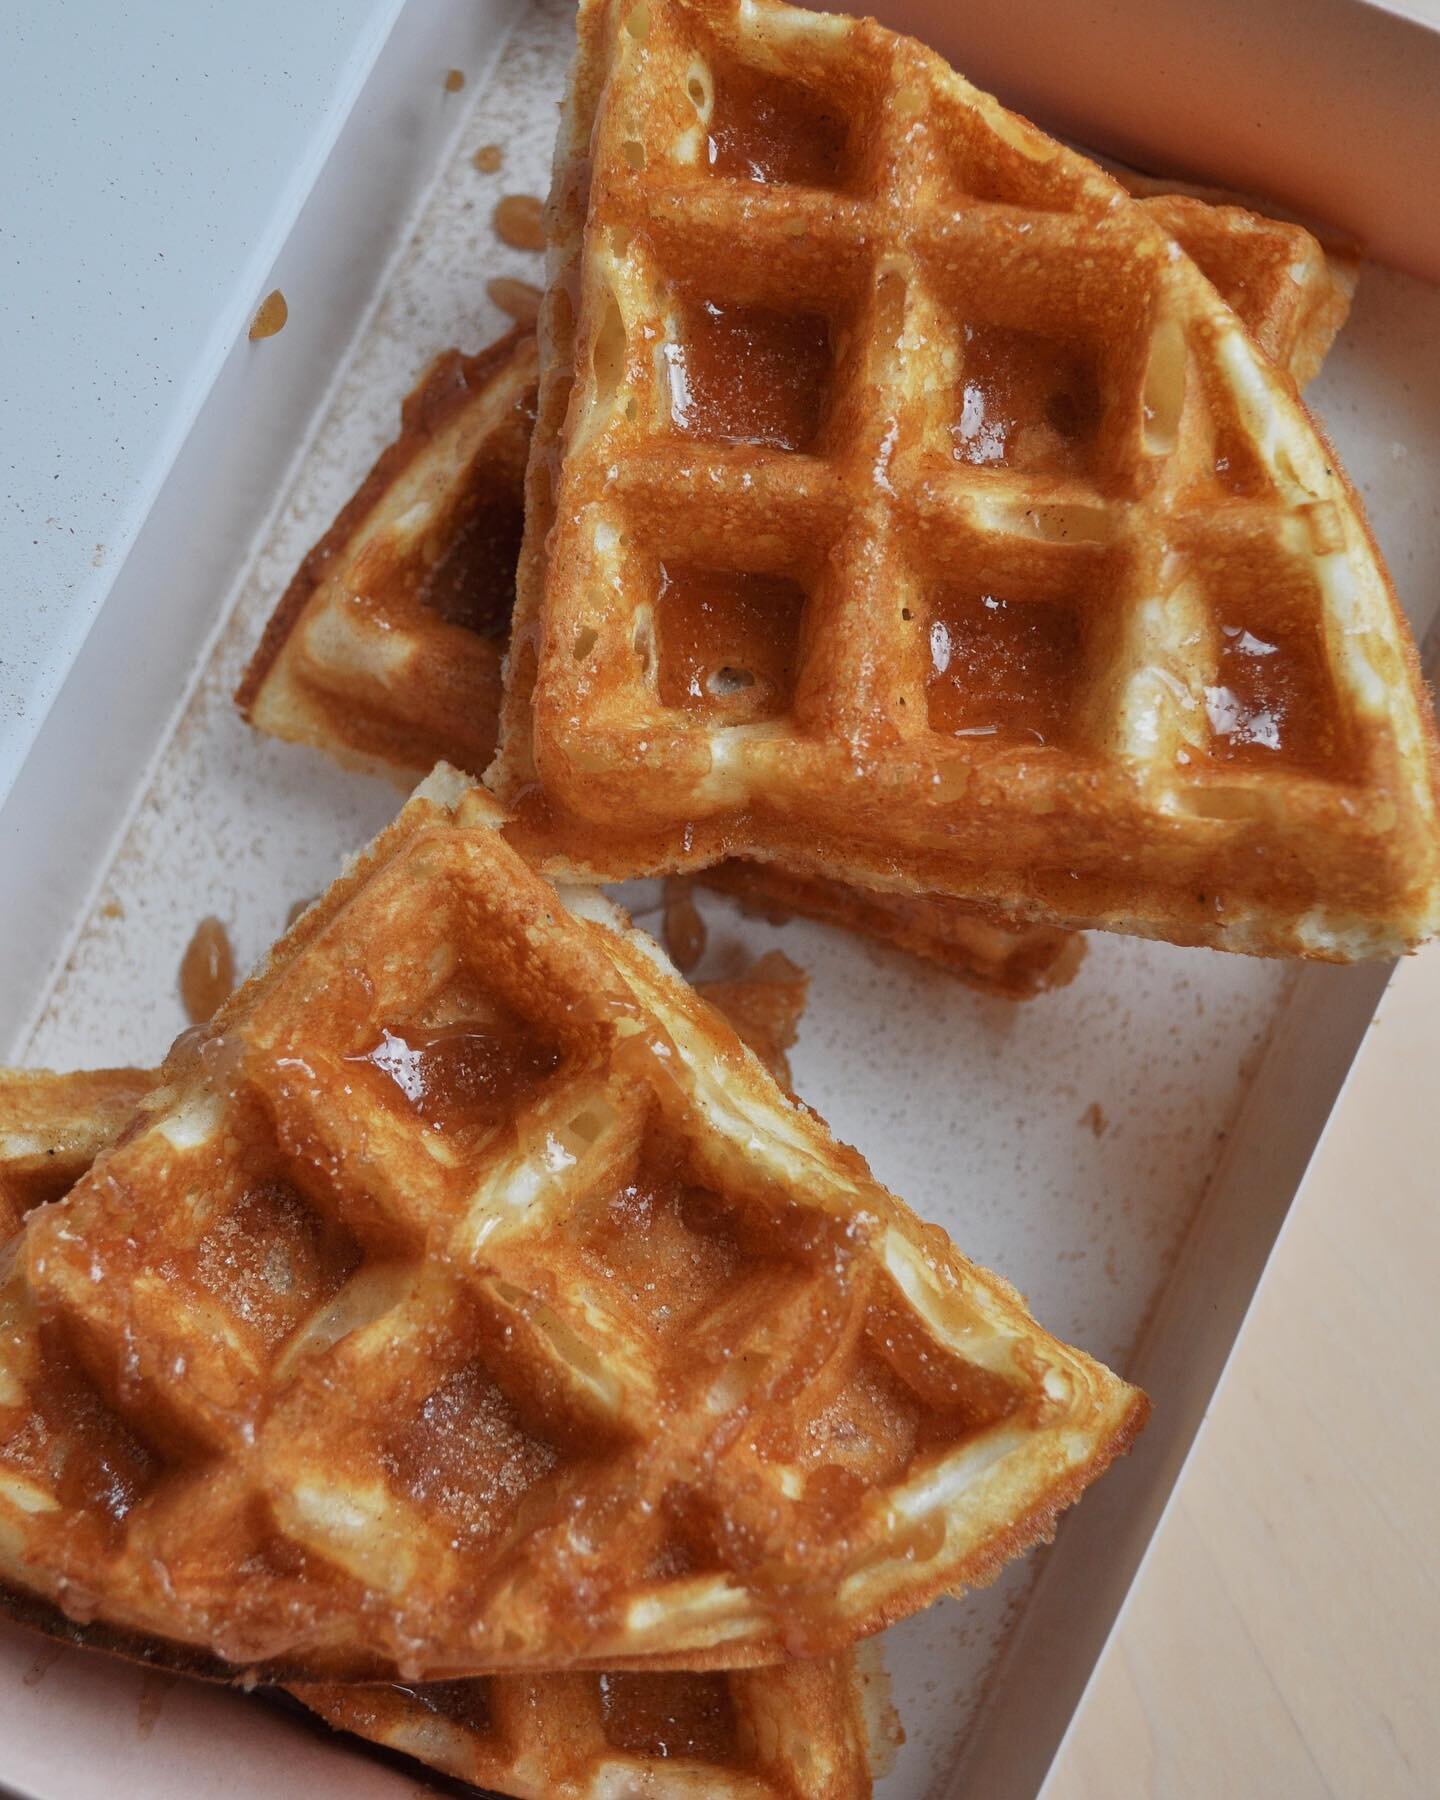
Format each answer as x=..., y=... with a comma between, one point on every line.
x=800, y=1731
x=797, y=1731
x=907, y=508
x=358, y=662
x=468, y=1300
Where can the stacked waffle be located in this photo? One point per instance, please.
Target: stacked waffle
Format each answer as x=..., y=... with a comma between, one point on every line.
x=386, y=649
x=898, y=521
x=907, y=508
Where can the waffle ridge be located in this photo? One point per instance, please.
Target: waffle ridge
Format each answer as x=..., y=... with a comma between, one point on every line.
x=490, y=1287
x=1108, y=577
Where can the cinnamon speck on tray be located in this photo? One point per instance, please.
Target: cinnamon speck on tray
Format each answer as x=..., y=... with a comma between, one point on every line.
x=1094, y=1117
x=519, y=222
x=271, y=317
x=454, y=81
x=488, y=158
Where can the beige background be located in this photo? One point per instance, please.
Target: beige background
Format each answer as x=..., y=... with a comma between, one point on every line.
x=1283, y=1639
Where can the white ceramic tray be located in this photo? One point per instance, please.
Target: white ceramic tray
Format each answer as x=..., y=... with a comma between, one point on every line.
x=1124, y=1150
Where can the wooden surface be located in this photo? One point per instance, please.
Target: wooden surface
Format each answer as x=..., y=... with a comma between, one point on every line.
x=1283, y=1638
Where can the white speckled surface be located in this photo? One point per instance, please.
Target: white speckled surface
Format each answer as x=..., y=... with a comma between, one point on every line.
x=981, y=1114
x=135, y=234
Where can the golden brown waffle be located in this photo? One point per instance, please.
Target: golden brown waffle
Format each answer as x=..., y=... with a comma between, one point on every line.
x=799, y=1731
x=385, y=649
x=319, y=678
x=1015, y=965
x=907, y=508
x=807, y=1730
x=52, y=1127
x=468, y=1300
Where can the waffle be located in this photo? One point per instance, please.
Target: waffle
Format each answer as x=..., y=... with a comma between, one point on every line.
x=385, y=649
x=908, y=509
x=347, y=1361
x=808, y=1730
x=800, y=1731
x=326, y=671
x=996, y=959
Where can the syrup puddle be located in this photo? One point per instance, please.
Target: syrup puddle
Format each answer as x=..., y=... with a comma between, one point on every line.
x=683, y=928
x=519, y=222
x=270, y=317
x=462, y=1076
x=1094, y=1117
x=154, y=1686
x=207, y=971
